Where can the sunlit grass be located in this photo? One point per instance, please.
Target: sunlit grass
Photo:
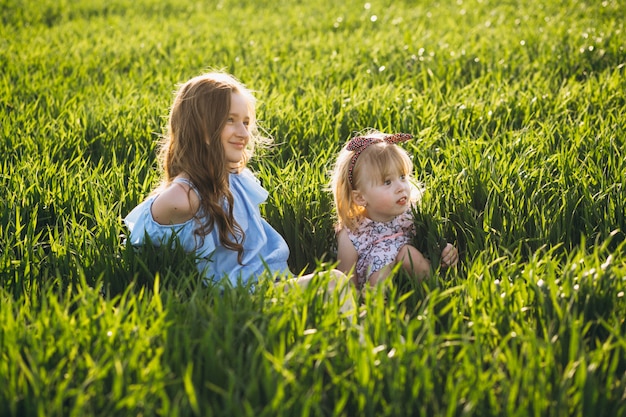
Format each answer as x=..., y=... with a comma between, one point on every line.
x=517, y=111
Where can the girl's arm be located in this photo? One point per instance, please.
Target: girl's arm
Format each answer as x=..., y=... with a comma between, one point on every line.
x=175, y=205
x=346, y=255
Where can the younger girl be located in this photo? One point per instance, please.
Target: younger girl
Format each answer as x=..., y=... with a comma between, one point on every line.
x=373, y=194
x=208, y=200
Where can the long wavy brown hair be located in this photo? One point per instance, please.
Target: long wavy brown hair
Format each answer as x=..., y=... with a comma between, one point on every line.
x=192, y=146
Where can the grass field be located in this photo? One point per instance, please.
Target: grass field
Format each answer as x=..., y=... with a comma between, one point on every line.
x=519, y=110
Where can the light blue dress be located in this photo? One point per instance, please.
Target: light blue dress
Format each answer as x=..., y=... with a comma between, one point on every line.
x=264, y=249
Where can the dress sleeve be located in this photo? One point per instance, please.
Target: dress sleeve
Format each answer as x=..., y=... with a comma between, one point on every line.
x=135, y=221
x=144, y=229
x=251, y=187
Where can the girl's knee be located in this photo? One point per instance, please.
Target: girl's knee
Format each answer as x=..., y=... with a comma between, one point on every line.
x=413, y=260
x=408, y=253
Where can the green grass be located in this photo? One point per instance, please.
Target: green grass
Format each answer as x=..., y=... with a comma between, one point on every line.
x=518, y=111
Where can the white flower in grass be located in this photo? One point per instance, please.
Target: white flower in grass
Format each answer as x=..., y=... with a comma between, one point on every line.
x=378, y=349
x=607, y=263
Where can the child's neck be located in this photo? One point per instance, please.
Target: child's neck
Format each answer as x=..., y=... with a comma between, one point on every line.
x=379, y=218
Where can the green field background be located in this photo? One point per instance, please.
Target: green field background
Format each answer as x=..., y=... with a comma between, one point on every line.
x=518, y=111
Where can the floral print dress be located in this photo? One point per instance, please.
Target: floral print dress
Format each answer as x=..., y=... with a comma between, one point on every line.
x=377, y=244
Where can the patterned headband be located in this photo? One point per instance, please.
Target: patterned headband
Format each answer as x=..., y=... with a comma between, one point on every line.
x=360, y=143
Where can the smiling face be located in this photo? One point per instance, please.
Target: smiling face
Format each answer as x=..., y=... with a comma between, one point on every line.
x=236, y=134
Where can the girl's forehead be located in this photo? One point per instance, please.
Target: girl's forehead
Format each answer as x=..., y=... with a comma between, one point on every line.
x=379, y=161
x=376, y=173
x=239, y=104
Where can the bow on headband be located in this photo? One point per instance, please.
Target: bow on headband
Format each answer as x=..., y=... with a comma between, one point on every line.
x=360, y=143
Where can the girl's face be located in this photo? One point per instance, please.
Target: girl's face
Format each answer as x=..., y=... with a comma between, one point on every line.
x=386, y=199
x=235, y=135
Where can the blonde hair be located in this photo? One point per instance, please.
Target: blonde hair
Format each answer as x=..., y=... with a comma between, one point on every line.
x=192, y=146
x=377, y=161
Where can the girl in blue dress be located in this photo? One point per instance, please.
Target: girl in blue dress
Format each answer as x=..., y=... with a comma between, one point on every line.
x=208, y=200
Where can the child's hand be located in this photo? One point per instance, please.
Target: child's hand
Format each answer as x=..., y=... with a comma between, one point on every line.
x=449, y=256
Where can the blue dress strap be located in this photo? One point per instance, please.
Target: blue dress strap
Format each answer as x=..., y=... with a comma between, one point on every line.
x=180, y=180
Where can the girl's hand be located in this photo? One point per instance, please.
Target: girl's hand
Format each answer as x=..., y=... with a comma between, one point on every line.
x=449, y=256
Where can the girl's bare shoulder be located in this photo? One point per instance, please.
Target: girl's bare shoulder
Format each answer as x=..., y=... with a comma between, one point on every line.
x=175, y=204
x=344, y=244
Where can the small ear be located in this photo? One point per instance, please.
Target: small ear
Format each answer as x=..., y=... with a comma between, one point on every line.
x=358, y=198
